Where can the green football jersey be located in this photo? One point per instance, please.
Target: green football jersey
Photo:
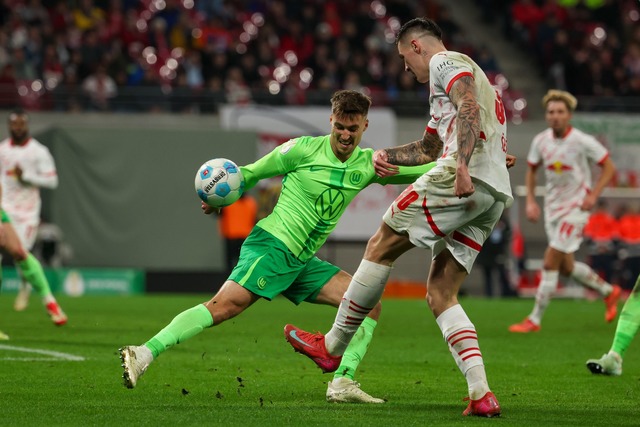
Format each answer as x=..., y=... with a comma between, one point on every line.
x=316, y=189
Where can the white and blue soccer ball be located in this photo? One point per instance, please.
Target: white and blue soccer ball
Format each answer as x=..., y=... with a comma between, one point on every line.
x=219, y=182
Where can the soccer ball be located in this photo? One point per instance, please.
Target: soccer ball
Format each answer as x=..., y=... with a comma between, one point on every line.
x=219, y=182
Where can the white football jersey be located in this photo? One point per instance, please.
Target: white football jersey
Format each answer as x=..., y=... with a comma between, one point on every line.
x=488, y=162
x=22, y=200
x=567, y=166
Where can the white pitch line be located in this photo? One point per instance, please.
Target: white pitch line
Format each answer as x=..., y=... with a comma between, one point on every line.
x=56, y=354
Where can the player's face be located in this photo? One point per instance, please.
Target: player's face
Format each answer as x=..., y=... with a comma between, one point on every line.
x=18, y=128
x=346, y=134
x=558, y=116
x=412, y=53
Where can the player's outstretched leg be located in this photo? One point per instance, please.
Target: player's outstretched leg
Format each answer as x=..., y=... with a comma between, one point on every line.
x=34, y=274
x=312, y=346
x=343, y=388
x=626, y=329
x=22, y=299
x=135, y=361
x=608, y=364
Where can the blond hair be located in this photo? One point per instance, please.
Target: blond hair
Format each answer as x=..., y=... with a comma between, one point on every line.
x=560, y=95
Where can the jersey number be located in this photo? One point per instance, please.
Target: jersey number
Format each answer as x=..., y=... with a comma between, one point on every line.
x=407, y=197
x=500, y=113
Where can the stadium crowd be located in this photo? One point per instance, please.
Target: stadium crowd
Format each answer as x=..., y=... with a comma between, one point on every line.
x=590, y=48
x=190, y=56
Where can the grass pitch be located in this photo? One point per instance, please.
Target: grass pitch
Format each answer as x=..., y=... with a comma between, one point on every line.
x=244, y=373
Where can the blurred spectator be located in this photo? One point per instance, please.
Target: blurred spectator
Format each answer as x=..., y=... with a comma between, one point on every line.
x=601, y=233
x=86, y=16
x=494, y=257
x=100, y=88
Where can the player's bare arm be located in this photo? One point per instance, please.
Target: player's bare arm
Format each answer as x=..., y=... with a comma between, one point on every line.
x=414, y=153
x=463, y=95
x=417, y=152
x=532, y=209
x=608, y=171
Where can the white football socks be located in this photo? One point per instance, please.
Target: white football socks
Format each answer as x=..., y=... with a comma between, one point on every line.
x=584, y=275
x=548, y=284
x=364, y=292
x=462, y=339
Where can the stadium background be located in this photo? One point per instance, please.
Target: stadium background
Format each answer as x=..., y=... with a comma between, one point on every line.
x=126, y=168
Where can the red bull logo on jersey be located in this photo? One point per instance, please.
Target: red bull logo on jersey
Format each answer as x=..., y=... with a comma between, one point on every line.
x=559, y=167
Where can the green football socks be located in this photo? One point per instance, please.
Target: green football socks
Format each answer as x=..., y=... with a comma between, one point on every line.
x=185, y=325
x=628, y=323
x=34, y=274
x=356, y=350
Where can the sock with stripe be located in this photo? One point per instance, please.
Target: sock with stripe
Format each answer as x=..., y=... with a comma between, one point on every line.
x=462, y=340
x=364, y=292
x=628, y=323
x=585, y=275
x=185, y=325
x=548, y=284
x=356, y=349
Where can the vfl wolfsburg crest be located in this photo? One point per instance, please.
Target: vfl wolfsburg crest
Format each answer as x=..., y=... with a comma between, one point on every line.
x=329, y=204
x=355, y=177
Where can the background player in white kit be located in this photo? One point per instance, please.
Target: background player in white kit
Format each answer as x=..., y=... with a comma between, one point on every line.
x=567, y=155
x=451, y=209
x=26, y=166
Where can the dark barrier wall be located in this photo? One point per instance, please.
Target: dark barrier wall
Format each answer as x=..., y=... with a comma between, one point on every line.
x=126, y=196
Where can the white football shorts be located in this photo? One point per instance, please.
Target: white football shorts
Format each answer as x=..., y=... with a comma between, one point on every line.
x=27, y=232
x=565, y=233
x=433, y=217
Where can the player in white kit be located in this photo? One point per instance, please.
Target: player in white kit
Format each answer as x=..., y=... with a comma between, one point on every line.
x=566, y=154
x=26, y=166
x=451, y=209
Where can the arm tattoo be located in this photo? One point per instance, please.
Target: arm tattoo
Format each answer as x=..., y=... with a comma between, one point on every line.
x=463, y=96
x=416, y=153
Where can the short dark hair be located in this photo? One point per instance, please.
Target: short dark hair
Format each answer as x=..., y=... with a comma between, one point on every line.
x=346, y=103
x=425, y=26
x=17, y=112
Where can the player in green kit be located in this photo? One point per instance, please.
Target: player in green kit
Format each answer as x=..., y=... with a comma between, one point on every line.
x=322, y=175
x=31, y=268
x=627, y=328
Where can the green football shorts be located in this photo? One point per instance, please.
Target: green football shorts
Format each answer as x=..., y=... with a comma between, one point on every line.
x=4, y=216
x=267, y=268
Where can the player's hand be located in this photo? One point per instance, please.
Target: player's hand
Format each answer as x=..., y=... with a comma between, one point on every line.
x=17, y=172
x=381, y=165
x=511, y=161
x=208, y=209
x=532, y=211
x=463, y=184
x=589, y=202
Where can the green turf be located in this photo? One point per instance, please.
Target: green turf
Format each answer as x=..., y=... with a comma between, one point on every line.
x=244, y=373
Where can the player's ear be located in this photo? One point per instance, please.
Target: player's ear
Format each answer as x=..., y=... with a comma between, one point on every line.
x=366, y=125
